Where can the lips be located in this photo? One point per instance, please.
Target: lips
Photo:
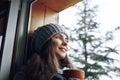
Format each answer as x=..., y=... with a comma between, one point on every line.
x=64, y=49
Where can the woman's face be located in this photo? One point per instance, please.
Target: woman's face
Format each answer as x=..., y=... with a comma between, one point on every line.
x=60, y=45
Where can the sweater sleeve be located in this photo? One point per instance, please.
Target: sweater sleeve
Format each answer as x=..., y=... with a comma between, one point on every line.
x=20, y=76
x=57, y=76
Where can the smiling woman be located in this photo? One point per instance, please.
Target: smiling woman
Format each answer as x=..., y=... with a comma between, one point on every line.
x=49, y=48
x=18, y=20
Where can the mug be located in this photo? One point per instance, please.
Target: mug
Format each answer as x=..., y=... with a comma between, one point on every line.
x=74, y=74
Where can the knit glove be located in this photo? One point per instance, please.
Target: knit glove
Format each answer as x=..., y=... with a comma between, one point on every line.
x=58, y=76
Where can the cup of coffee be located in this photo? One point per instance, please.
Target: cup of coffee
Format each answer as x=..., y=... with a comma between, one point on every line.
x=74, y=74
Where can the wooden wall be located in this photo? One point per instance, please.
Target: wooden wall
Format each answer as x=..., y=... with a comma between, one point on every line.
x=41, y=15
x=47, y=11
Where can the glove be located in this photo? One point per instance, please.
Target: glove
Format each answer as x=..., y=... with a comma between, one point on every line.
x=58, y=76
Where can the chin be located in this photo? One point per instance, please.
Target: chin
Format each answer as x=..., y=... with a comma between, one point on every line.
x=62, y=57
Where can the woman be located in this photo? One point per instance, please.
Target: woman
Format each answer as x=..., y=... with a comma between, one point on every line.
x=50, y=45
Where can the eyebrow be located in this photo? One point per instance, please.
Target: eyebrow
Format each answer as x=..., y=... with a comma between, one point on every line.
x=63, y=35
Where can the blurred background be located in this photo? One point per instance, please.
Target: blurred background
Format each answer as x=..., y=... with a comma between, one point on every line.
x=94, y=29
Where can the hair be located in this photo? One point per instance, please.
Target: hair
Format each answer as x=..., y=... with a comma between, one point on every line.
x=44, y=64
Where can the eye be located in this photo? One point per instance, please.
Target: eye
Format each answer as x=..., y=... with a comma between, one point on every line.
x=61, y=37
x=58, y=37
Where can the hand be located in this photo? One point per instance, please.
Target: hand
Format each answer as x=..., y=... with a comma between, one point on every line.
x=58, y=76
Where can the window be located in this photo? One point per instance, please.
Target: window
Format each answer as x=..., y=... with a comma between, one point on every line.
x=4, y=10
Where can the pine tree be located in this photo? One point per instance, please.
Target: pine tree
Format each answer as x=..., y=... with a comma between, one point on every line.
x=91, y=50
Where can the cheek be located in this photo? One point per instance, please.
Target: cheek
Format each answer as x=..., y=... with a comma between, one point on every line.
x=56, y=43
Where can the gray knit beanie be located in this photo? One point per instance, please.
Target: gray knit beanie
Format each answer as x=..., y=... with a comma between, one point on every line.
x=42, y=34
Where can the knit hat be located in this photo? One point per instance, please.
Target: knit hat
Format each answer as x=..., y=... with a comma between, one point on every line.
x=42, y=34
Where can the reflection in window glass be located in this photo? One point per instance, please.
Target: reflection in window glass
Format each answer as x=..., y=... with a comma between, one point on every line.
x=0, y=41
x=4, y=11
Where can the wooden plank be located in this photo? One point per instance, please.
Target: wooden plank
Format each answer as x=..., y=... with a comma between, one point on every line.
x=51, y=16
x=41, y=15
x=58, y=5
x=37, y=16
x=47, y=11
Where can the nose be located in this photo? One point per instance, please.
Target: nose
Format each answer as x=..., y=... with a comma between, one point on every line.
x=65, y=42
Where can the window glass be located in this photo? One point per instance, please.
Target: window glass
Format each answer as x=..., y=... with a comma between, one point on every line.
x=4, y=11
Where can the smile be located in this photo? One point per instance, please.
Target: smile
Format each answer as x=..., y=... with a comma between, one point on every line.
x=64, y=49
